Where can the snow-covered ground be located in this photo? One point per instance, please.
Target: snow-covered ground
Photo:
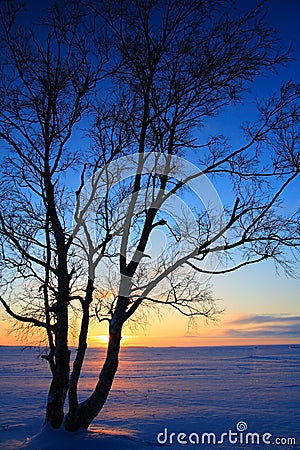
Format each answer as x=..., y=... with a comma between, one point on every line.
x=214, y=397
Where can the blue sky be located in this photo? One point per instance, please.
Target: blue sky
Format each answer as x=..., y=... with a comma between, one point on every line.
x=260, y=304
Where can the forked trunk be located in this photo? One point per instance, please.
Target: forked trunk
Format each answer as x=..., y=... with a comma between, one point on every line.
x=81, y=416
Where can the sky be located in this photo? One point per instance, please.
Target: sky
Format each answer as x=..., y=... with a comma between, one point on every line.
x=260, y=305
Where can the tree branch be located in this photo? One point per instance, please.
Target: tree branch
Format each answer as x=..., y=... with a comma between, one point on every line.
x=20, y=318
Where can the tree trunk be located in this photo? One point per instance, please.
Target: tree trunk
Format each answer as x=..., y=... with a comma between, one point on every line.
x=61, y=373
x=58, y=389
x=72, y=416
x=90, y=408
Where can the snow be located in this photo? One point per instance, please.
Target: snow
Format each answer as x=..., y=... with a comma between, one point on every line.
x=175, y=393
x=49, y=439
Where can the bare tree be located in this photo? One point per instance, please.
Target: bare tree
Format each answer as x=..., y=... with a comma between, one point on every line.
x=145, y=82
x=48, y=77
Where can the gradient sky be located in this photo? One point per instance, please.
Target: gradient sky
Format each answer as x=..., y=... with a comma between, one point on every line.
x=261, y=306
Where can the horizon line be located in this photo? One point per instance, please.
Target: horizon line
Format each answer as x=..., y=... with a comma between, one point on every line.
x=290, y=345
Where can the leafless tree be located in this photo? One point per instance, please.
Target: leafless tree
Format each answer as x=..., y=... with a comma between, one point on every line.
x=145, y=78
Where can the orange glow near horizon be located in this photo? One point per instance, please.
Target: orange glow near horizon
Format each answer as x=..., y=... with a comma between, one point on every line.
x=165, y=341
x=171, y=330
x=102, y=340
x=256, y=313
x=181, y=341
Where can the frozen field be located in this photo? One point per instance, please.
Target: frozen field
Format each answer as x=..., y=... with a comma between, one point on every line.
x=159, y=391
